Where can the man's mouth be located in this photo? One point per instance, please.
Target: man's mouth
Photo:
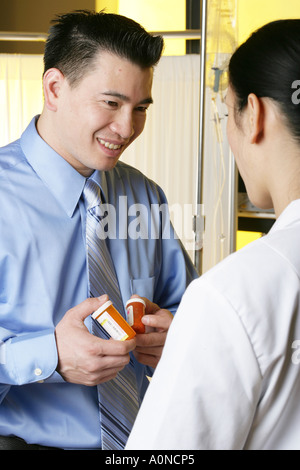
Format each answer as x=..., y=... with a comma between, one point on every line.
x=109, y=145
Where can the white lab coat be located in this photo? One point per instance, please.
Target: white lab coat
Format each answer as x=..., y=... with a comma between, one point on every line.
x=229, y=376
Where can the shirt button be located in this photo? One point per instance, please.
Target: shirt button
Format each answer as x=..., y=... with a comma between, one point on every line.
x=38, y=371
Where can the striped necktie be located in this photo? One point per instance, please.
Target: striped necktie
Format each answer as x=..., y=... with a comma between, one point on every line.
x=118, y=398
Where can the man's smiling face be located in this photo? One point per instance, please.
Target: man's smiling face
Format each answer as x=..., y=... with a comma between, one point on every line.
x=98, y=118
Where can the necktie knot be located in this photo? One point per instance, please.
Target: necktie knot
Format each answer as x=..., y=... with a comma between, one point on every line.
x=91, y=194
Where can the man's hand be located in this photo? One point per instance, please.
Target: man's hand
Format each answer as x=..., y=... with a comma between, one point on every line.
x=149, y=346
x=84, y=358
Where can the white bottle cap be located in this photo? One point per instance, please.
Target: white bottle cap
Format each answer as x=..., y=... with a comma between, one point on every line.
x=101, y=309
x=135, y=299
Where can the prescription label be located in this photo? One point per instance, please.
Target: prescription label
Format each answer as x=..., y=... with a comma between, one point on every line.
x=112, y=327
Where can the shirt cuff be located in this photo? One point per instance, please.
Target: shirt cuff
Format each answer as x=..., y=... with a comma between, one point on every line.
x=31, y=358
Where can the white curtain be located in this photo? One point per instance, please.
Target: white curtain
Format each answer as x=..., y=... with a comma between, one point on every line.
x=21, y=93
x=167, y=149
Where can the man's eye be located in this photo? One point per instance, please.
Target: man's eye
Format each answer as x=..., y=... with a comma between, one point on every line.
x=142, y=109
x=112, y=104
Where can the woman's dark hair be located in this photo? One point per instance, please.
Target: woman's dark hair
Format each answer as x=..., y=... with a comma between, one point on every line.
x=75, y=39
x=267, y=64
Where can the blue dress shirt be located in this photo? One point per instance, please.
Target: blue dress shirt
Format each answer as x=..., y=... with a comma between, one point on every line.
x=43, y=273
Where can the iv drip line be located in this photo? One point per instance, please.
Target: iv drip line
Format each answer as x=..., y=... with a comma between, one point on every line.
x=220, y=183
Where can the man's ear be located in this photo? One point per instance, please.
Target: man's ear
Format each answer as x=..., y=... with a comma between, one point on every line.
x=52, y=82
x=255, y=118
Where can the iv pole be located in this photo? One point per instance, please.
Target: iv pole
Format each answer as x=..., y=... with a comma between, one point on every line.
x=199, y=218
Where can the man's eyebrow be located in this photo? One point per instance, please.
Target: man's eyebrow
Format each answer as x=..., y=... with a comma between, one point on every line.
x=147, y=101
x=126, y=98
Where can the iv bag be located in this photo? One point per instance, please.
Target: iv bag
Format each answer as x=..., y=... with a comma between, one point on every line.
x=221, y=41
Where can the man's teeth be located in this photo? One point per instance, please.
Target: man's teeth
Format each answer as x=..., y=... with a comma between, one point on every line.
x=109, y=146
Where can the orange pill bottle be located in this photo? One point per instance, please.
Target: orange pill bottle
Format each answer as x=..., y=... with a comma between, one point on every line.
x=135, y=309
x=113, y=322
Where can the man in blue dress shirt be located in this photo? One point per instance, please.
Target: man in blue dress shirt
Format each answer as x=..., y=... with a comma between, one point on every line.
x=97, y=88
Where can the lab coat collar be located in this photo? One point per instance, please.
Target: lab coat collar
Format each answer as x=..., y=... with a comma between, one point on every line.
x=289, y=216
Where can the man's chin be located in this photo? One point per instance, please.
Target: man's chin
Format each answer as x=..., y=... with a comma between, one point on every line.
x=106, y=164
x=109, y=164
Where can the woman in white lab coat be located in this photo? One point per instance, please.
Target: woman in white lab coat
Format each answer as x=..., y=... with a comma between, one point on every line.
x=229, y=377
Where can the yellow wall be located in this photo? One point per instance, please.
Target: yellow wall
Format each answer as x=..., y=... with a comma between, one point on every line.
x=166, y=15
x=110, y=6
x=255, y=13
x=154, y=15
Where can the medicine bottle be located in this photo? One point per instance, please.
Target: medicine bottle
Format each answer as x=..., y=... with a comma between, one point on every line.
x=135, y=309
x=113, y=322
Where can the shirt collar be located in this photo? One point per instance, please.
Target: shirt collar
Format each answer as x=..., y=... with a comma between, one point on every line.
x=65, y=183
x=290, y=215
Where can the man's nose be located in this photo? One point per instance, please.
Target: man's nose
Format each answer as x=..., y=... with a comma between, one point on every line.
x=123, y=125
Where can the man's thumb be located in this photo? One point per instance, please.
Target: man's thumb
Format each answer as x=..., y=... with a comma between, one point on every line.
x=89, y=306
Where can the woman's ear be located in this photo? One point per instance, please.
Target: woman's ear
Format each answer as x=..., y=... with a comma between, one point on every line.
x=52, y=82
x=255, y=118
